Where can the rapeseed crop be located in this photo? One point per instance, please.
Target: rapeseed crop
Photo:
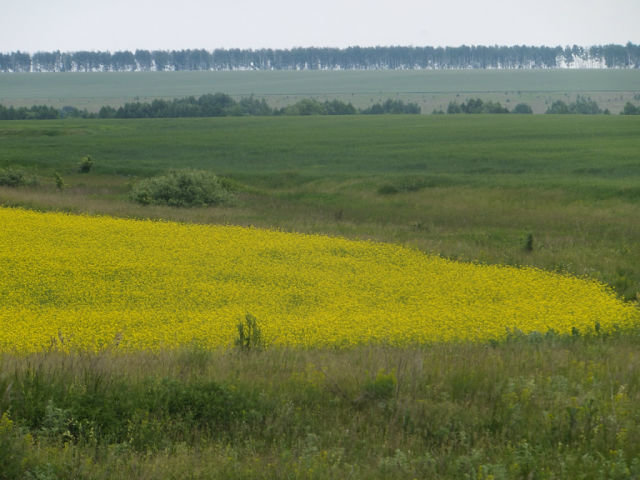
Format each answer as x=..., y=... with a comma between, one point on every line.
x=90, y=283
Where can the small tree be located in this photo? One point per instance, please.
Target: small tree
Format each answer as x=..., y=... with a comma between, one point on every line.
x=630, y=109
x=585, y=106
x=528, y=242
x=85, y=164
x=11, y=177
x=558, y=107
x=59, y=181
x=523, y=108
x=453, y=108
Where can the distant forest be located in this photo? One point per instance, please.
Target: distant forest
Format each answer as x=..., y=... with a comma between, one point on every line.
x=209, y=105
x=352, y=58
x=222, y=105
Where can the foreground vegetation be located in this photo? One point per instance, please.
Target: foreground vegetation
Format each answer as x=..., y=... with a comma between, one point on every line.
x=529, y=408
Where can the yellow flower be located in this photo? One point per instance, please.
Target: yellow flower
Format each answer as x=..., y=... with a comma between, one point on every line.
x=78, y=282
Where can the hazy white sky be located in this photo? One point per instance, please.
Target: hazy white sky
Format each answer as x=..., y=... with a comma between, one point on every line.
x=69, y=25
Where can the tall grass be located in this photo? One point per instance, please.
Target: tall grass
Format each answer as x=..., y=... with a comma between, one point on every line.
x=531, y=407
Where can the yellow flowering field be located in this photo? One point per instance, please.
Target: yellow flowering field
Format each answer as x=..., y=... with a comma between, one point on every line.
x=90, y=283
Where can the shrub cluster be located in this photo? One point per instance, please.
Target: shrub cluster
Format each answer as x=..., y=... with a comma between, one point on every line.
x=209, y=105
x=310, y=106
x=145, y=415
x=476, y=106
x=630, y=109
x=393, y=107
x=523, y=108
x=42, y=112
x=582, y=106
x=36, y=112
x=220, y=105
x=86, y=164
x=183, y=188
x=11, y=177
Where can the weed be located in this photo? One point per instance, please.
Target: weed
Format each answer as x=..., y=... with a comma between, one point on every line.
x=381, y=389
x=13, y=449
x=249, y=334
x=60, y=185
x=528, y=242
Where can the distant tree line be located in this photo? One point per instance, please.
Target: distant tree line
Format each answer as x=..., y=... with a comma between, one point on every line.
x=582, y=106
x=630, y=109
x=222, y=105
x=476, y=106
x=392, y=106
x=37, y=112
x=209, y=105
x=351, y=58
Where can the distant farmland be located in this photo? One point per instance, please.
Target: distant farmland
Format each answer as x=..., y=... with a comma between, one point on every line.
x=430, y=89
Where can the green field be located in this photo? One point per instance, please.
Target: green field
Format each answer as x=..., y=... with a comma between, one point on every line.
x=472, y=188
x=430, y=89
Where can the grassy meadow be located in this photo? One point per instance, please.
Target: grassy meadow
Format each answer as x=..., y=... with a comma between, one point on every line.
x=541, y=408
x=561, y=193
x=468, y=188
x=431, y=89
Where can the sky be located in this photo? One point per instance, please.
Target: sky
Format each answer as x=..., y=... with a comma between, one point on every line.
x=72, y=25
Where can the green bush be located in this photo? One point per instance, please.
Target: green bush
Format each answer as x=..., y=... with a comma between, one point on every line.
x=392, y=107
x=183, y=188
x=10, y=177
x=85, y=164
x=523, y=108
x=14, y=449
x=582, y=106
x=388, y=189
x=147, y=414
x=379, y=390
x=383, y=387
x=558, y=108
x=476, y=105
x=630, y=109
x=60, y=185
